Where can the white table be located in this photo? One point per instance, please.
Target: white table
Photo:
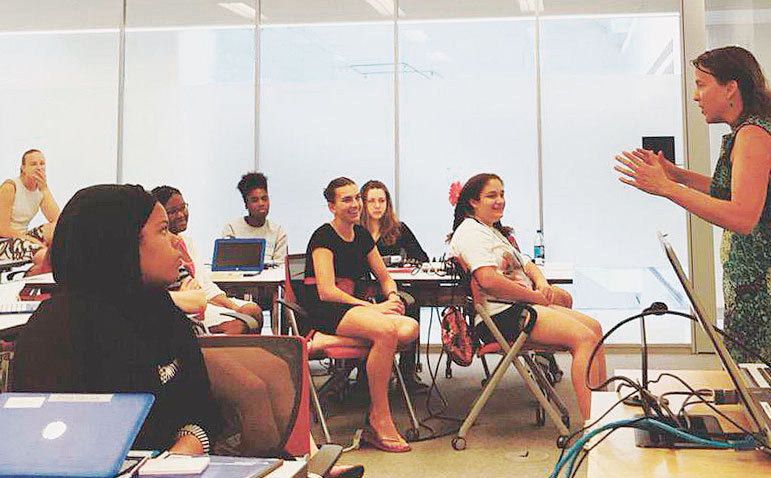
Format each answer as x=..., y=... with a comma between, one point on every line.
x=266, y=283
x=11, y=323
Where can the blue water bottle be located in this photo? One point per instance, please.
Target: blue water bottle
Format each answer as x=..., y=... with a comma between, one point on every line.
x=539, y=250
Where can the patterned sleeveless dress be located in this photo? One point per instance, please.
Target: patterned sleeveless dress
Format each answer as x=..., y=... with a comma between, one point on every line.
x=746, y=263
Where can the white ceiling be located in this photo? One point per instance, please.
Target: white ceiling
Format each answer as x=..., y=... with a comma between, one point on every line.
x=43, y=15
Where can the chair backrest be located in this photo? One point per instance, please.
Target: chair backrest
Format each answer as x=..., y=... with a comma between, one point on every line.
x=293, y=352
x=294, y=267
x=467, y=277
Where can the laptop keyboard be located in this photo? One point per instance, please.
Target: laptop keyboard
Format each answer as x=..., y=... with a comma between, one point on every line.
x=18, y=307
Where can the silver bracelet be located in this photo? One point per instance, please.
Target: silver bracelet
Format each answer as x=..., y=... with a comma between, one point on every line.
x=196, y=431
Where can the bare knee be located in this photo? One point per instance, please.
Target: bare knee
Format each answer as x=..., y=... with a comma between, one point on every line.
x=408, y=330
x=387, y=333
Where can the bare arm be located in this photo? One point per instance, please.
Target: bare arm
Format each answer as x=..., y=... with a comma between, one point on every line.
x=7, y=195
x=223, y=301
x=535, y=274
x=691, y=179
x=498, y=285
x=49, y=207
x=324, y=269
x=751, y=159
x=190, y=301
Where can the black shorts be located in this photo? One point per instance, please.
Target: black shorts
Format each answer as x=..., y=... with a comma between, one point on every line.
x=324, y=316
x=509, y=322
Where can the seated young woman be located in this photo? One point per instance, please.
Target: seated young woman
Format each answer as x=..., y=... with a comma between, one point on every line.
x=479, y=240
x=393, y=238
x=194, y=290
x=110, y=325
x=339, y=253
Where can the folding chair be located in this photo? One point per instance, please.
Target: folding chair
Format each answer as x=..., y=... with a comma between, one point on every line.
x=520, y=354
x=344, y=358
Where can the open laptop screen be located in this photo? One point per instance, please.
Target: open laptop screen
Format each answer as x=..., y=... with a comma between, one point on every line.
x=726, y=360
x=238, y=255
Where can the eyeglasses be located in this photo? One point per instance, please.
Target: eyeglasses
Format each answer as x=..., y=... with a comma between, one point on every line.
x=176, y=210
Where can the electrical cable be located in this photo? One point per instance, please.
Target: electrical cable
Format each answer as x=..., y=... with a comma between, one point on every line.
x=573, y=455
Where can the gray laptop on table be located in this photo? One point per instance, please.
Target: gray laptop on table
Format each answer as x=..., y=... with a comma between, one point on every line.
x=757, y=401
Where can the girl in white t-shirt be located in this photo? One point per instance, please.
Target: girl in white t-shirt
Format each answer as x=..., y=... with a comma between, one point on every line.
x=479, y=241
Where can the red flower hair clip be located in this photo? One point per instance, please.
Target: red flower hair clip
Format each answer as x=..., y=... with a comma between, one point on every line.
x=454, y=194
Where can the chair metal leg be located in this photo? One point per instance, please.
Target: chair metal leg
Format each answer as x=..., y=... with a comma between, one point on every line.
x=547, y=388
x=529, y=382
x=413, y=432
x=542, y=400
x=488, y=389
x=319, y=411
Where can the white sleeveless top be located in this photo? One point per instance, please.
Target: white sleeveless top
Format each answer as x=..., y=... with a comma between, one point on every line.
x=26, y=204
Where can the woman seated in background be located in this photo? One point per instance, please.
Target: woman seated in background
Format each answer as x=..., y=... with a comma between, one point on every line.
x=393, y=238
x=110, y=325
x=479, y=240
x=194, y=291
x=340, y=253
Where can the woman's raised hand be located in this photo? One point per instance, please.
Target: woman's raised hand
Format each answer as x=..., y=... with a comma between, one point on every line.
x=645, y=170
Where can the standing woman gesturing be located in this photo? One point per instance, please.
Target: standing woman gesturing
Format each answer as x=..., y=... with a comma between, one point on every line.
x=731, y=89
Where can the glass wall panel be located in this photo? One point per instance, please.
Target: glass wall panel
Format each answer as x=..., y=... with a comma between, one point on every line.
x=607, y=80
x=746, y=23
x=467, y=105
x=326, y=106
x=190, y=106
x=59, y=90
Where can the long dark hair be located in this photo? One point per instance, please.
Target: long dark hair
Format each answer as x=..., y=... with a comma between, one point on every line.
x=736, y=63
x=97, y=235
x=473, y=190
x=390, y=227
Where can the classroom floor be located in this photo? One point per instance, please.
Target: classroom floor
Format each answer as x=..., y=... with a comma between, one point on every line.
x=504, y=441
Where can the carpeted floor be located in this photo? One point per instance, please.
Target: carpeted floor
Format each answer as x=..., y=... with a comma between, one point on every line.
x=504, y=440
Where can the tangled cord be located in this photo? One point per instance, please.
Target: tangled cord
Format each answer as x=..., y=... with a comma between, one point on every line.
x=571, y=452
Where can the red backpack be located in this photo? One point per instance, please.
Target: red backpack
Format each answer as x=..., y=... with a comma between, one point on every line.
x=457, y=340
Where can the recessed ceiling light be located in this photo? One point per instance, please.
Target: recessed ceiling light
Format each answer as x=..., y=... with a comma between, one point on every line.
x=240, y=8
x=384, y=7
x=529, y=6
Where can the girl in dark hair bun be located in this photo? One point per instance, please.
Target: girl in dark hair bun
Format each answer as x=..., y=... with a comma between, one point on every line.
x=731, y=89
x=339, y=254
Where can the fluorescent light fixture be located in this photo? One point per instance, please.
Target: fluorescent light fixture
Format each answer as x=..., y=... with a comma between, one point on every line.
x=384, y=7
x=529, y=6
x=240, y=8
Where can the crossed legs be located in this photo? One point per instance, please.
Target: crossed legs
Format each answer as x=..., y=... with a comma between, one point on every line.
x=385, y=332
